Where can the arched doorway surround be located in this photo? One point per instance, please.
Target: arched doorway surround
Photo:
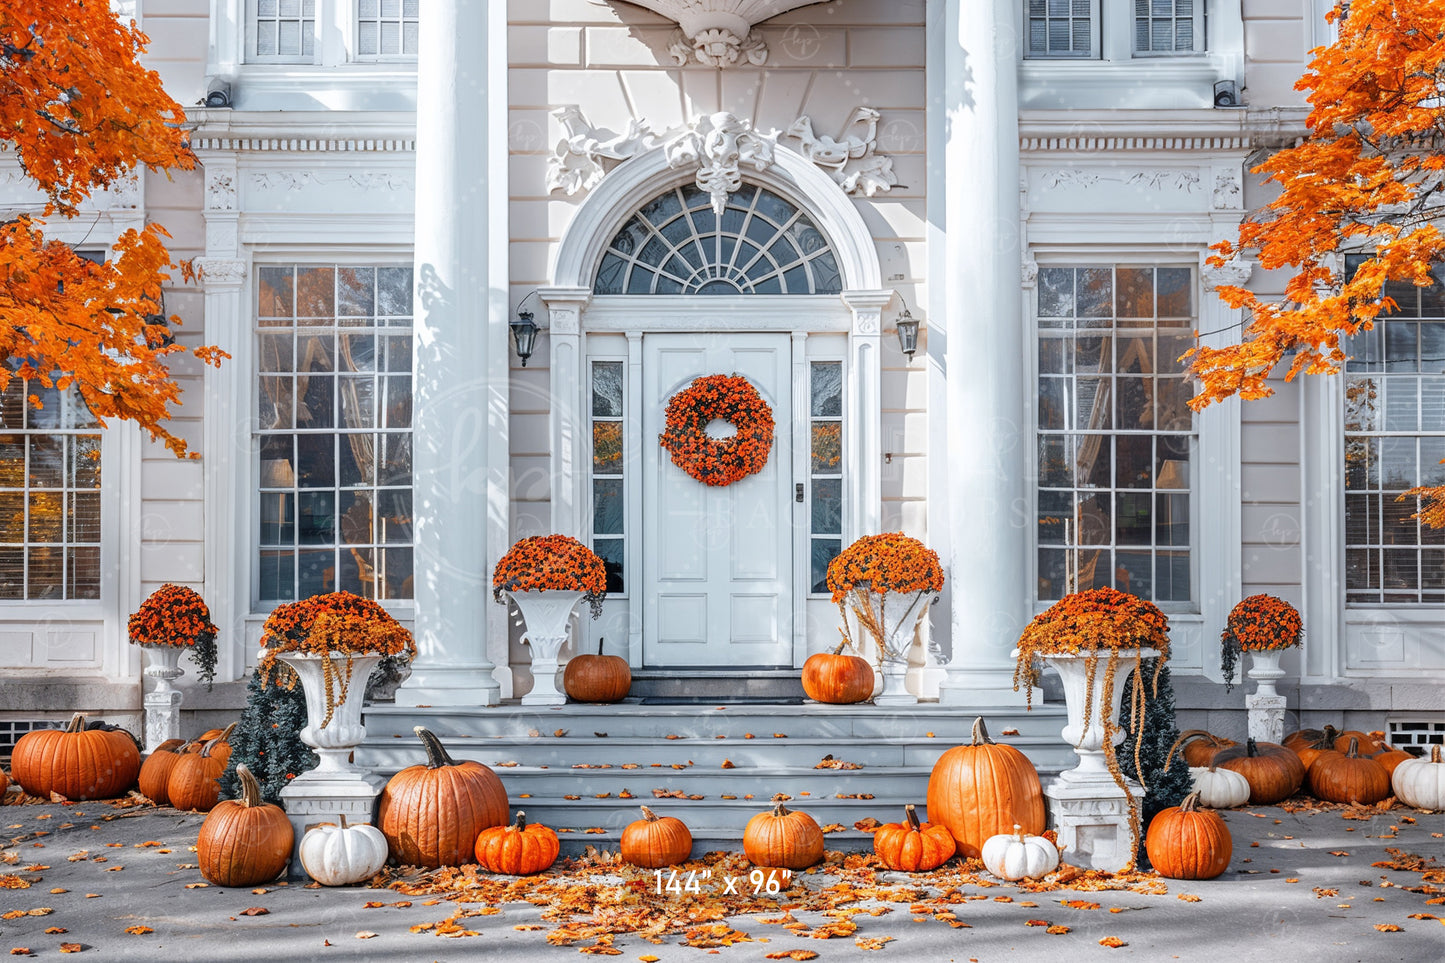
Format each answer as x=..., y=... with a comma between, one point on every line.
x=584, y=326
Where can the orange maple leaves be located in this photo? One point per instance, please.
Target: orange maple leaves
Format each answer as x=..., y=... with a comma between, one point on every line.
x=80, y=114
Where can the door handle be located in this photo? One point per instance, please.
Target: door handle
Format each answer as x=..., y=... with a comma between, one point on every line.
x=798, y=492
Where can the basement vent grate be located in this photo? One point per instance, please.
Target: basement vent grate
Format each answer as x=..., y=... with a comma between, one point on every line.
x=12, y=729
x=1416, y=736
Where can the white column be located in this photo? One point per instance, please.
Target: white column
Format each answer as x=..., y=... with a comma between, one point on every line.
x=461, y=405
x=568, y=421
x=863, y=426
x=981, y=435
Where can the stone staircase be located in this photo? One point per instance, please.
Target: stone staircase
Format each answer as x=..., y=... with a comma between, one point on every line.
x=719, y=764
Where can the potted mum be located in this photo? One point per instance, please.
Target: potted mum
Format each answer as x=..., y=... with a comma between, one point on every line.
x=887, y=581
x=546, y=576
x=1074, y=635
x=1264, y=626
x=326, y=641
x=172, y=620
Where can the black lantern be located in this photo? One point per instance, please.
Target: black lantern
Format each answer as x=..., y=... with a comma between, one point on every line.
x=907, y=332
x=524, y=333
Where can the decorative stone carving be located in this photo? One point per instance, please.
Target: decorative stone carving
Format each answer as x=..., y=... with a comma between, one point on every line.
x=123, y=194
x=295, y=180
x=220, y=190
x=719, y=32
x=564, y=319
x=871, y=172
x=220, y=271
x=1233, y=273
x=720, y=144
x=1227, y=192
x=1155, y=179
x=718, y=48
x=577, y=165
x=1029, y=273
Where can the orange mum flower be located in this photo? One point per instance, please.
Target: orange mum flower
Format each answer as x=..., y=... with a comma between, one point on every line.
x=171, y=615
x=718, y=461
x=891, y=562
x=1256, y=624
x=551, y=563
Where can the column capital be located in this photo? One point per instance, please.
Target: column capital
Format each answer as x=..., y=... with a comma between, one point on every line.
x=220, y=274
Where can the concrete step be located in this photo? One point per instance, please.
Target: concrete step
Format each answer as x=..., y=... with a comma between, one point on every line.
x=745, y=683
x=717, y=816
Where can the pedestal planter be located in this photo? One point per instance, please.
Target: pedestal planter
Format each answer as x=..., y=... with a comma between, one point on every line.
x=898, y=614
x=163, y=703
x=1266, y=706
x=336, y=787
x=546, y=614
x=1090, y=811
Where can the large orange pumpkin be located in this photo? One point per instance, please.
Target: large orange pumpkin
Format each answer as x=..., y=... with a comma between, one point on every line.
x=244, y=842
x=983, y=789
x=76, y=762
x=1309, y=743
x=156, y=770
x=597, y=678
x=654, y=841
x=911, y=846
x=521, y=849
x=431, y=815
x=783, y=838
x=193, y=783
x=1199, y=746
x=1369, y=742
x=1348, y=777
x=1273, y=772
x=837, y=678
x=1185, y=842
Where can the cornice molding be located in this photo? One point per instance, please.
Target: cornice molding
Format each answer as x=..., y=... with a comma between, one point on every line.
x=304, y=144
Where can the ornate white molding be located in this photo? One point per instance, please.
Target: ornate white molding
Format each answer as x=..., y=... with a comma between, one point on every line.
x=1154, y=179
x=295, y=180
x=305, y=144
x=719, y=144
x=1028, y=273
x=1228, y=194
x=1233, y=273
x=577, y=164
x=718, y=33
x=718, y=48
x=870, y=172
x=220, y=272
x=1105, y=144
x=220, y=189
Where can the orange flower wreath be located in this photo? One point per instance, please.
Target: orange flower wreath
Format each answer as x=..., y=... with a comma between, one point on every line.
x=718, y=461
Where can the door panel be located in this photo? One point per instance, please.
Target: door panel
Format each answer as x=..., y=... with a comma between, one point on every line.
x=717, y=561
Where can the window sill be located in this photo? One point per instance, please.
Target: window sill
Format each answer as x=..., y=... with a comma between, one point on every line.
x=355, y=86
x=1140, y=83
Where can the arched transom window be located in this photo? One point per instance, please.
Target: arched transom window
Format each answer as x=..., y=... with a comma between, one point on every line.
x=675, y=244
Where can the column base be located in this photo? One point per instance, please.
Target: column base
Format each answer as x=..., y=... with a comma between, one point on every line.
x=310, y=799
x=442, y=686
x=1092, y=820
x=981, y=688
x=1266, y=717
x=163, y=717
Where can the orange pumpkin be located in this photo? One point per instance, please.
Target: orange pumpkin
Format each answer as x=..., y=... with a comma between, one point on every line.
x=521, y=849
x=597, y=678
x=1348, y=777
x=783, y=838
x=193, y=783
x=199, y=743
x=654, y=841
x=76, y=762
x=837, y=678
x=4, y=786
x=911, y=846
x=1273, y=772
x=1390, y=757
x=982, y=790
x=1199, y=746
x=432, y=814
x=1369, y=742
x=1185, y=842
x=1309, y=743
x=244, y=842
x=156, y=770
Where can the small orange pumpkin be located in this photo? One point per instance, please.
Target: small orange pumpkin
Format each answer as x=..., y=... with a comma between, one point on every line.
x=78, y=762
x=1369, y=742
x=836, y=678
x=156, y=770
x=193, y=783
x=1199, y=746
x=654, y=841
x=597, y=678
x=783, y=838
x=199, y=743
x=1186, y=842
x=521, y=849
x=1309, y=743
x=911, y=846
x=4, y=786
x=1348, y=777
x=1273, y=772
x=244, y=842
x=1390, y=757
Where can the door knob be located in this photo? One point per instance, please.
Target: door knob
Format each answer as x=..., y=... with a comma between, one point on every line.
x=798, y=492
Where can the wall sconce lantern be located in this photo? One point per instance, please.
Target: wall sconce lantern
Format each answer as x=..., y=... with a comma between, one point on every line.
x=907, y=331
x=524, y=332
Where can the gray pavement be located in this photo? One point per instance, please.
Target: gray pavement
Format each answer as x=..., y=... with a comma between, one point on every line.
x=1307, y=891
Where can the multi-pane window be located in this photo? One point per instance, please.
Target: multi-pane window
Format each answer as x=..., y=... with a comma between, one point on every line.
x=1061, y=28
x=333, y=411
x=609, y=488
x=676, y=244
x=825, y=468
x=49, y=495
x=1394, y=441
x=387, y=28
x=1115, y=436
x=1164, y=26
x=284, y=29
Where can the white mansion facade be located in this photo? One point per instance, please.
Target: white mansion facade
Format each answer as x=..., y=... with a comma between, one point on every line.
x=673, y=189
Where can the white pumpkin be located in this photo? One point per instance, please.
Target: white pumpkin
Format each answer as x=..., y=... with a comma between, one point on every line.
x=1219, y=788
x=1421, y=782
x=1018, y=856
x=342, y=855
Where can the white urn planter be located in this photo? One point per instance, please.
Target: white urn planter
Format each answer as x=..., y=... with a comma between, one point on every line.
x=334, y=742
x=1266, y=706
x=163, y=703
x=546, y=614
x=1264, y=669
x=898, y=613
x=1080, y=696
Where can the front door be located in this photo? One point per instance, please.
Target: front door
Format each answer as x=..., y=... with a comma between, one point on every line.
x=717, y=561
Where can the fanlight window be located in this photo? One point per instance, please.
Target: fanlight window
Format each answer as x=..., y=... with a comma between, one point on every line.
x=675, y=244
